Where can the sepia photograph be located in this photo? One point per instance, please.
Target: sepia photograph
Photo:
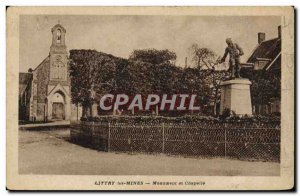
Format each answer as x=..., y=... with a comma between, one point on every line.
x=159, y=99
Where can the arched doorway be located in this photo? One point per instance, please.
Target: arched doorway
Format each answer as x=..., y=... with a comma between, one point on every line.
x=58, y=106
x=58, y=103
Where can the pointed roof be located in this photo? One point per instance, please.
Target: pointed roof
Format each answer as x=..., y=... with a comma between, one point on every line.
x=268, y=49
x=57, y=88
x=46, y=60
x=58, y=26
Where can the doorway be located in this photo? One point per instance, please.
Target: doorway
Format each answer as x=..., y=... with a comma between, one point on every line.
x=58, y=111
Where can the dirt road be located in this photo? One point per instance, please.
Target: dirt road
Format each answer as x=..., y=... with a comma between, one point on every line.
x=50, y=152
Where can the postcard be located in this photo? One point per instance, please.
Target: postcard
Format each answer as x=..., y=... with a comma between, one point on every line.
x=150, y=98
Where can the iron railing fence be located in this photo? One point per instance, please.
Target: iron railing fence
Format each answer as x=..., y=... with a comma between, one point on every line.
x=229, y=140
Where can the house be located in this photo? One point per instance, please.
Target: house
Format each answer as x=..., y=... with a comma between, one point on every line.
x=25, y=81
x=266, y=58
x=267, y=54
x=44, y=92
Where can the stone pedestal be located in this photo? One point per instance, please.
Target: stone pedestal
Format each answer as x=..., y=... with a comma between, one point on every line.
x=235, y=95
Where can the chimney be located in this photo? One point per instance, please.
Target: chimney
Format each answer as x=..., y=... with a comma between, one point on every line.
x=279, y=31
x=261, y=37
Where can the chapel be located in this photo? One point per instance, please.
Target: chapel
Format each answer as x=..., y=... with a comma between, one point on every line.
x=44, y=92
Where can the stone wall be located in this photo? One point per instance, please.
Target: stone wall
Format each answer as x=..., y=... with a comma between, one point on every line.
x=40, y=79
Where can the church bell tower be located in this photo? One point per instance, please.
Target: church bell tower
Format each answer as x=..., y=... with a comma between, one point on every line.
x=58, y=100
x=58, y=55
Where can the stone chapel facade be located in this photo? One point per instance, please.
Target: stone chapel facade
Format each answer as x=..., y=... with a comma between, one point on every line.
x=44, y=93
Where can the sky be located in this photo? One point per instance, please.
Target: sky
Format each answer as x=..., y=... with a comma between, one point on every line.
x=121, y=35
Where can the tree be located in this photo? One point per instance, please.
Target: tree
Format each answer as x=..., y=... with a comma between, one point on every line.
x=155, y=68
x=265, y=86
x=153, y=56
x=153, y=71
x=202, y=57
x=91, y=73
x=80, y=76
x=205, y=61
x=149, y=71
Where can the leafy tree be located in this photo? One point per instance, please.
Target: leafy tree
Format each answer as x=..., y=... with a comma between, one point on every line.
x=155, y=68
x=92, y=73
x=265, y=86
x=153, y=71
x=147, y=71
x=153, y=56
x=80, y=76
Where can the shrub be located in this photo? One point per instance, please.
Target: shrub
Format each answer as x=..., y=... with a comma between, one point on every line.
x=239, y=120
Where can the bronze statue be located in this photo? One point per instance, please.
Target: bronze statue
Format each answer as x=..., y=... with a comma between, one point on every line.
x=235, y=51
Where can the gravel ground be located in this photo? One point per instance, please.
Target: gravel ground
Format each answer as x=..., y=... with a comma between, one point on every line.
x=50, y=152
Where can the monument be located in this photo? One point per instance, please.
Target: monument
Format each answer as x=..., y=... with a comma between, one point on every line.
x=235, y=92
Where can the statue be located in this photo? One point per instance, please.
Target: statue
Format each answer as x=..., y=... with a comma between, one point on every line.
x=234, y=58
x=58, y=36
x=232, y=91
